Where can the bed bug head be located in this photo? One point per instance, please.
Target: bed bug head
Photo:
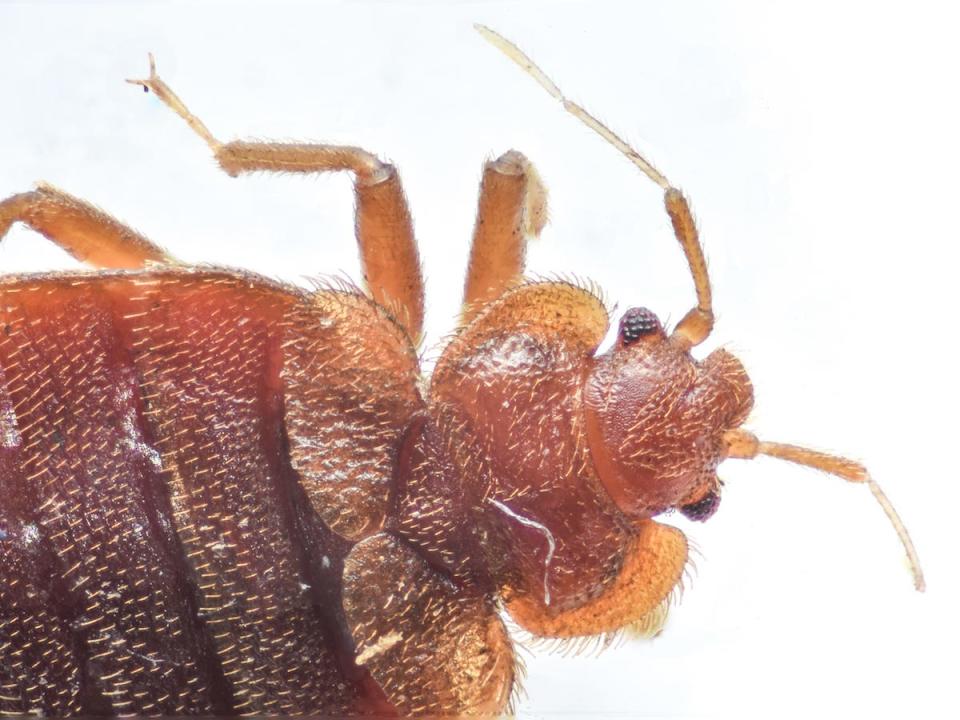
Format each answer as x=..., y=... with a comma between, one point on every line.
x=656, y=419
x=659, y=422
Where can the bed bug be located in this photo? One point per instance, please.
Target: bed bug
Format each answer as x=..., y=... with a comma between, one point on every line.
x=223, y=494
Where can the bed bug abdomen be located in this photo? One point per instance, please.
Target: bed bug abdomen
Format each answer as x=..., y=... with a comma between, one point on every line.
x=146, y=414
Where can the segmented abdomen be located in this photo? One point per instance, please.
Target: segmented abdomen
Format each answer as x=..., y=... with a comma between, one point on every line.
x=157, y=555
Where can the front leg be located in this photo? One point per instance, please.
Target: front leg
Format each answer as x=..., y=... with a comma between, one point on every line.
x=512, y=208
x=652, y=568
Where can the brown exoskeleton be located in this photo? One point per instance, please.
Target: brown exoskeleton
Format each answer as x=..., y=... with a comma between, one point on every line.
x=222, y=494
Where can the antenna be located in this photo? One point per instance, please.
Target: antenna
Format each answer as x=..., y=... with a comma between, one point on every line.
x=743, y=444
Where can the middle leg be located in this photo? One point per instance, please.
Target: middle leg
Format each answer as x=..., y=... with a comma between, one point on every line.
x=388, y=250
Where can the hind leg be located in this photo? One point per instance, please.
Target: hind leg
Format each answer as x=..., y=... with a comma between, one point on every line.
x=89, y=234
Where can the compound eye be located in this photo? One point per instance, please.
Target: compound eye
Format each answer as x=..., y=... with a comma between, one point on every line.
x=703, y=508
x=637, y=323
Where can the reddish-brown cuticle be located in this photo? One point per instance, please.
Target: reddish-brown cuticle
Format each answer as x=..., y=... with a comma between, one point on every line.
x=655, y=420
x=506, y=397
x=150, y=423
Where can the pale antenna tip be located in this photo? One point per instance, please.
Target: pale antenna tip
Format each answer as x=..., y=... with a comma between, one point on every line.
x=913, y=560
x=489, y=34
x=534, y=71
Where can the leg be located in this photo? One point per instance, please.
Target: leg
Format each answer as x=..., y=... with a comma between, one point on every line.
x=696, y=325
x=85, y=232
x=513, y=207
x=388, y=251
x=435, y=648
x=652, y=569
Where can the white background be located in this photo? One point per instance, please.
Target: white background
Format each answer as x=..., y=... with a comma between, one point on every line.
x=818, y=144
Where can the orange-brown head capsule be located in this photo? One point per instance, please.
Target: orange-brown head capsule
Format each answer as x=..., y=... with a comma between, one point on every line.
x=656, y=417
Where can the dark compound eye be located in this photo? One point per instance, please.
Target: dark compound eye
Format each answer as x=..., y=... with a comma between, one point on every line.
x=637, y=323
x=703, y=508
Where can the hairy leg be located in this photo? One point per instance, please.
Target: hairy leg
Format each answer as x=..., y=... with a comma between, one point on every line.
x=652, y=568
x=89, y=234
x=512, y=208
x=388, y=250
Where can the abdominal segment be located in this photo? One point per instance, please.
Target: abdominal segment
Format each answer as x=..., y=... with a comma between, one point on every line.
x=157, y=555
